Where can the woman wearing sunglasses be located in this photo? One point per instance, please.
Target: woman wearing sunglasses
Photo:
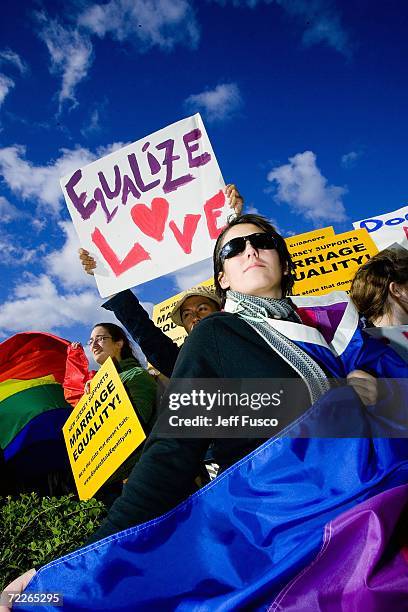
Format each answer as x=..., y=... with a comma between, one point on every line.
x=253, y=274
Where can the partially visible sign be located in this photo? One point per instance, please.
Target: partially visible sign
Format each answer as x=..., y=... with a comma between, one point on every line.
x=308, y=239
x=162, y=311
x=150, y=208
x=332, y=264
x=102, y=431
x=388, y=228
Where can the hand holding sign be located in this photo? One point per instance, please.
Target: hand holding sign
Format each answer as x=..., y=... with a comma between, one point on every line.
x=87, y=261
x=235, y=199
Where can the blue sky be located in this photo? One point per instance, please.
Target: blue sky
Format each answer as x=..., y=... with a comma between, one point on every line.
x=305, y=103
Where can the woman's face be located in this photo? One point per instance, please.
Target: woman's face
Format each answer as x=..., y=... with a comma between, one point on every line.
x=254, y=271
x=104, y=346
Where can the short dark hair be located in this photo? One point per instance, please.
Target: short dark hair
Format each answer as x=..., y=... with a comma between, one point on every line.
x=118, y=333
x=370, y=286
x=285, y=259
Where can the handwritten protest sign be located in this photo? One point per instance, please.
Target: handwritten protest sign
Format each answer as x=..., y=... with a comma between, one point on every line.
x=332, y=264
x=102, y=431
x=162, y=311
x=388, y=228
x=150, y=208
x=301, y=241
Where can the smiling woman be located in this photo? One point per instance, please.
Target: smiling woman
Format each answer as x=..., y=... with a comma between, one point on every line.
x=110, y=340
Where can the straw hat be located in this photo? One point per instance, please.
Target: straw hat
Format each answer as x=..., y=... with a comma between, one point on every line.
x=203, y=291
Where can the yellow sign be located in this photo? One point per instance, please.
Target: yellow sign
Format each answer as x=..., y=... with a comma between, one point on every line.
x=308, y=239
x=162, y=311
x=102, y=431
x=332, y=264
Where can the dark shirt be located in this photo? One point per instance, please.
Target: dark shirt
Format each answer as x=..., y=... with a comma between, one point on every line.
x=221, y=346
x=159, y=349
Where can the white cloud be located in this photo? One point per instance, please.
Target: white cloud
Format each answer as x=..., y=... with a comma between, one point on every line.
x=250, y=210
x=38, y=224
x=319, y=18
x=8, y=212
x=28, y=181
x=147, y=23
x=93, y=124
x=217, y=104
x=110, y=148
x=36, y=304
x=13, y=254
x=162, y=23
x=11, y=58
x=6, y=85
x=64, y=264
x=193, y=275
x=301, y=185
x=148, y=306
x=70, y=52
x=323, y=23
x=348, y=160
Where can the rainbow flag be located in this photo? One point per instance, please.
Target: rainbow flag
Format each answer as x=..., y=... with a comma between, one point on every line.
x=33, y=409
x=252, y=539
x=362, y=563
x=236, y=543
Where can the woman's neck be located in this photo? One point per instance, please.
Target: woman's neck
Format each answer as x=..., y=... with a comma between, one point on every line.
x=397, y=315
x=275, y=294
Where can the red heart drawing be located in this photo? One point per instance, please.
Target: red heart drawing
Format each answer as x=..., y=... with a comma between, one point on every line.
x=151, y=221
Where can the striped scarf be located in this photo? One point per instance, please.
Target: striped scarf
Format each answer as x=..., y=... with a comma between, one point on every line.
x=256, y=311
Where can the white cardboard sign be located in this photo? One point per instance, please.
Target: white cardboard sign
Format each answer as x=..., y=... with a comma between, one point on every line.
x=150, y=208
x=388, y=228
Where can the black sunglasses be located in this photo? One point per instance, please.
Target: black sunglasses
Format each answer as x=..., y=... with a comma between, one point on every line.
x=235, y=246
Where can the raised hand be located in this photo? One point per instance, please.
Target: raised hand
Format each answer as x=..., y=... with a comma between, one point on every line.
x=236, y=201
x=87, y=261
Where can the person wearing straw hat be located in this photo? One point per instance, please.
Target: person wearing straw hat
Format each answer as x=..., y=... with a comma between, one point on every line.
x=194, y=304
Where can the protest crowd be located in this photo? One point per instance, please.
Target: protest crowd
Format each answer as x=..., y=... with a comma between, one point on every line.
x=217, y=521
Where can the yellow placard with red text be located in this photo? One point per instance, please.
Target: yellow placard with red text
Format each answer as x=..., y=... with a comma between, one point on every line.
x=331, y=264
x=101, y=432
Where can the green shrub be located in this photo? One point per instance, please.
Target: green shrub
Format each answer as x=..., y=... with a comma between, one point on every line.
x=35, y=530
